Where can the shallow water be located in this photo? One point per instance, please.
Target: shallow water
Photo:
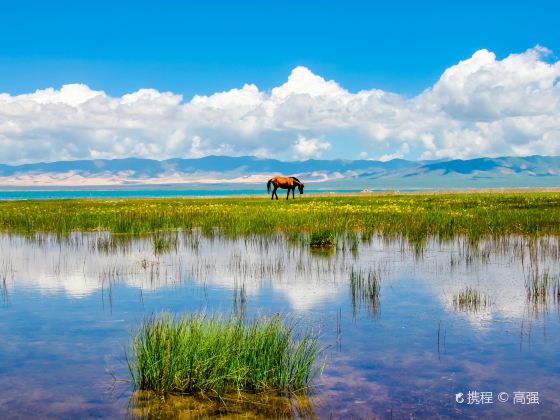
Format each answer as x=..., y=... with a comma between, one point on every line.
x=67, y=307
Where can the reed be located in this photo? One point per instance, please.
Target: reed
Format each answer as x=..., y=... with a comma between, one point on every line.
x=471, y=299
x=556, y=291
x=322, y=239
x=6, y=272
x=539, y=286
x=216, y=355
x=162, y=244
x=364, y=289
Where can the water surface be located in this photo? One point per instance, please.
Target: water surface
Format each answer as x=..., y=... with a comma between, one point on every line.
x=141, y=192
x=68, y=305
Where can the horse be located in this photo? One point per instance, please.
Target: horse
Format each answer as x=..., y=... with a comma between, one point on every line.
x=289, y=183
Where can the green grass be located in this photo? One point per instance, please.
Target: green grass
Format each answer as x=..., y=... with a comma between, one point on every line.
x=322, y=239
x=539, y=286
x=471, y=299
x=162, y=244
x=217, y=355
x=542, y=289
x=364, y=289
x=415, y=216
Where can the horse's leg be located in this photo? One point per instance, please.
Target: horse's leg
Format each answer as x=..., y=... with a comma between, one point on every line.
x=274, y=192
x=288, y=195
x=293, y=191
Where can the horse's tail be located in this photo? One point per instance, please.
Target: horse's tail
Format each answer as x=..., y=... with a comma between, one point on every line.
x=269, y=185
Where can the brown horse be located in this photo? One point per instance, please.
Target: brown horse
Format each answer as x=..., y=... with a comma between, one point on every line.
x=289, y=183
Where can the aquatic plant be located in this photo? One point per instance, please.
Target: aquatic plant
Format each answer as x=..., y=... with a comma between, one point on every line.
x=239, y=301
x=537, y=285
x=556, y=291
x=470, y=299
x=108, y=243
x=364, y=289
x=162, y=244
x=6, y=272
x=350, y=241
x=542, y=288
x=217, y=355
x=322, y=239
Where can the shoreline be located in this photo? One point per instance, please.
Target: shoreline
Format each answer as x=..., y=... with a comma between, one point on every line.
x=13, y=195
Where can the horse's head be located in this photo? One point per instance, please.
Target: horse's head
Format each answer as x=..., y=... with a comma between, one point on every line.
x=300, y=186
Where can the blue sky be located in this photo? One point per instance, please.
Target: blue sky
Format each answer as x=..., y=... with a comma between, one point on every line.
x=400, y=48
x=204, y=47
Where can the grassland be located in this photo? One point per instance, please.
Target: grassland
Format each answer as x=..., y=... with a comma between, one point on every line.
x=217, y=355
x=415, y=216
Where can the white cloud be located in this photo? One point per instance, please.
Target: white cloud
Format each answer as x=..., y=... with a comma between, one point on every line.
x=480, y=106
x=308, y=148
x=397, y=155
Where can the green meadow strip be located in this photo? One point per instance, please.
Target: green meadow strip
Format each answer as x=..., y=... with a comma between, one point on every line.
x=217, y=355
x=415, y=216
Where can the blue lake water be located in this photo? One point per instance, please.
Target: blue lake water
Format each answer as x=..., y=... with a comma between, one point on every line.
x=68, y=306
x=39, y=194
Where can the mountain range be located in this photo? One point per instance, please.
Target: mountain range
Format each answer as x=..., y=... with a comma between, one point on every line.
x=530, y=171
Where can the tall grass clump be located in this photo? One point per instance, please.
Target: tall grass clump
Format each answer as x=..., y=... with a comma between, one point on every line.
x=538, y=285
x=364, y=289
x=350, y=241
x=556, y=291
x=471, y=299
x=542, y=288
x=162, y=244
x=217, y=355
x=6, y=272
x=322, y=239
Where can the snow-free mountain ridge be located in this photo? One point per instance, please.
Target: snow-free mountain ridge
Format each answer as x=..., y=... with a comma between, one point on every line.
x=398, y=173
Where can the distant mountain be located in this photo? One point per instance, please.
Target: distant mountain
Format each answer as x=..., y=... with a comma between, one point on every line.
x=530, y=171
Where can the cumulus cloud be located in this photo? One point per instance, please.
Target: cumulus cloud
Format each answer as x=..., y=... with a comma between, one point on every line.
x=308, y=148
x=482, y=106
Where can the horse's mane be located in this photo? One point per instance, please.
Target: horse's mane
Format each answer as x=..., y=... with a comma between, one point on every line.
x=295, y=179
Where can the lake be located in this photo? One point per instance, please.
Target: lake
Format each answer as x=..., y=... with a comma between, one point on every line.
x=141, y=192
x=68, y=306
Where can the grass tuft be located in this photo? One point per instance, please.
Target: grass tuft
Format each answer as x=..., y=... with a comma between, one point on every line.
x=471, y=299
x=556, y=291
x=218, y=355
x=365, y=290
x=322, y=239
x=163, y=244
x=538, y=285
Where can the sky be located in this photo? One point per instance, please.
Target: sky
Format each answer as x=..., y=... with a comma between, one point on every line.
x=289, y=80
